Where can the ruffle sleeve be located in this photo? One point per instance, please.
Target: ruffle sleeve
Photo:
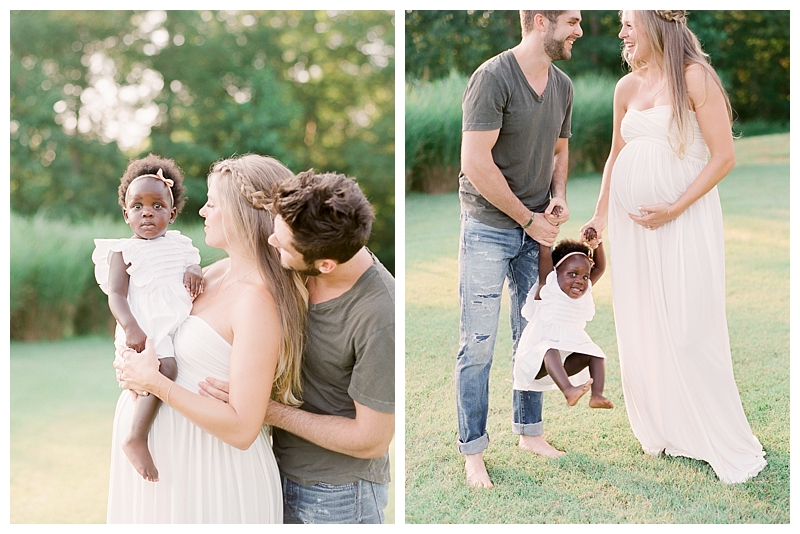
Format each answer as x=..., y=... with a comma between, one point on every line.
x=529, y=309
x=101, y=256
x=191, y=254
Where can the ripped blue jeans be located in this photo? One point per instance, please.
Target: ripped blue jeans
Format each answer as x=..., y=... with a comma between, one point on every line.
x=487, y=257
x=359, y=502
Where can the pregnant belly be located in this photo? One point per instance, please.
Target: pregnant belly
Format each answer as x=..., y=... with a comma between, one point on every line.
x=646, y=175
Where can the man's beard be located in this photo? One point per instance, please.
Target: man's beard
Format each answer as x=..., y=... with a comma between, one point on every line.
x=556, y=50
x=309, y=271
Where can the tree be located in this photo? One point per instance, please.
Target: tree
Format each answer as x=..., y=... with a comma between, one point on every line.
x=92, y=89
x=749, y=50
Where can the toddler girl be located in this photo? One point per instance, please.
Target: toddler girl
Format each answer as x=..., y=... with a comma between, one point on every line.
x=554, y=344
x=150, y=279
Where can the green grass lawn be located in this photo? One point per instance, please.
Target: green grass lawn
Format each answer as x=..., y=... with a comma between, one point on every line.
x=62, y=403
x=604, y=477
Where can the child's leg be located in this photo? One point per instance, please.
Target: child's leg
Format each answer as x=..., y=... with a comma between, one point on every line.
x=597, y=369
x=556, y=370
x=135, y=447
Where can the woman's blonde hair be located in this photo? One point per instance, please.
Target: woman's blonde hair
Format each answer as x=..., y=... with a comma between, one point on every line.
x=674, y=48
x=244, y=185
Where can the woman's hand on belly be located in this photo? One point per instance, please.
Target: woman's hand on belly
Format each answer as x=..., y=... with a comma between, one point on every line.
x=653, y=216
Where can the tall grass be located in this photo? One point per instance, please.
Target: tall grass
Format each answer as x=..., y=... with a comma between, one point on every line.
x=433, y=130
x=433, y=133
x=54, y=294
x=592, y=123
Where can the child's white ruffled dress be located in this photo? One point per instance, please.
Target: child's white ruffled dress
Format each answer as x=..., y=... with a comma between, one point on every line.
x=156, y=294
x=557, y=321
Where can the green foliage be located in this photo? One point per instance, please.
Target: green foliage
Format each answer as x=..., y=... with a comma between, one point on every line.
x=52, y=278
x=592, y=123
x=604, y=477
x=53, y=289
x=440, y=42
x=312, y=88
x=749, y=50
x=433, y=130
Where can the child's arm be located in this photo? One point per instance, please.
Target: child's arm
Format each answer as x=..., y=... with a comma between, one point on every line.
x=193, y=280
x=599, y=264
x=118, y=279
x=545, y=267
x=599, y=256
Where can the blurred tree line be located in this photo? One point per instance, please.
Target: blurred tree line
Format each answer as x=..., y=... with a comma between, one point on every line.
x=748, y=49
x=92, y=89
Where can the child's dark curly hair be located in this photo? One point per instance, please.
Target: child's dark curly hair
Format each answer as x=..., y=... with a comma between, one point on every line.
x=150, y=165
x=566, y=246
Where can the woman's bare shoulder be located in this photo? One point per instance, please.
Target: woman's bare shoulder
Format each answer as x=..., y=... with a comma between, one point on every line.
x=627, y=84
x=254, y=301
x=218, y=268
x=700, y=84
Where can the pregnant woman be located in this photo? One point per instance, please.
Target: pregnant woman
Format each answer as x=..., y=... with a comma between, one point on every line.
x=215, y=461
x=667, y=255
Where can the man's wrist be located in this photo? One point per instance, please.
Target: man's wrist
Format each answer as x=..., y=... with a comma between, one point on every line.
x=530, y=221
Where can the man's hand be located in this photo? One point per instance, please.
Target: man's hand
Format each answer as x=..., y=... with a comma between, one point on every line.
x=215, y=389
x=542, y=231
x=557, y=212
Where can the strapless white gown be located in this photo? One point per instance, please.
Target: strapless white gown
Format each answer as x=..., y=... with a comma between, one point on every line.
x=668, y=288
x=201, y=478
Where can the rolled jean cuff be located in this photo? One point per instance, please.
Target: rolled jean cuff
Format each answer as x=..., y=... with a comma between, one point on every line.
x=475, y=446
x=528, y=429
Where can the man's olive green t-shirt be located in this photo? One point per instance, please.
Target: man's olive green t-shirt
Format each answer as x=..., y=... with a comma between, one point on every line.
x=498, y=96
x=349, y=356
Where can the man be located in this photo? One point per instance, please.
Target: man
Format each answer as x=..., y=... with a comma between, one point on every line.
x=517, y=113
x=333, y=450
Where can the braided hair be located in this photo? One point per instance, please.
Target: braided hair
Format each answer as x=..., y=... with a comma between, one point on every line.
x=245, y=184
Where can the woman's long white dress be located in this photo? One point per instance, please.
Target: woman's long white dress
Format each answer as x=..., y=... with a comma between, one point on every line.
x=668, y=288
x=201, y=478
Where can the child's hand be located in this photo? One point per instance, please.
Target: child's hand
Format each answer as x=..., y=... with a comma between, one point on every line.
x=555, y=215
x=135, y=337
x=590, y=238
x=193, y=281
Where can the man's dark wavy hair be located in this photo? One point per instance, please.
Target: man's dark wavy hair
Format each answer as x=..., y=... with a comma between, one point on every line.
x=526, y=18
x=328, y=214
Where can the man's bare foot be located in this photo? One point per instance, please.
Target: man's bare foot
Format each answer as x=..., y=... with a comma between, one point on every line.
x=137, y=452
x=599, y=401
x=477, y=476
x=574, y=393
x=539, y=445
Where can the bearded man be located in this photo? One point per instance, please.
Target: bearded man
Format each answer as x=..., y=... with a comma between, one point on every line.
x=516, y=125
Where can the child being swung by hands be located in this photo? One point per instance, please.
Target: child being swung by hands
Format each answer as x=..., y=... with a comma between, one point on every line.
x=151, y=280
x=554, y=345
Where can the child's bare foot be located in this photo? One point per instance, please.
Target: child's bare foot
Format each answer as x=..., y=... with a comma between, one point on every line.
x=574, y=393
x=540, y=446
x=599, y=401
x=477, y=476
x=137, y=452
